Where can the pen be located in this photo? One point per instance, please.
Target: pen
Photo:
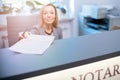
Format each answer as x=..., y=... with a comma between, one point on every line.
x=24, y=32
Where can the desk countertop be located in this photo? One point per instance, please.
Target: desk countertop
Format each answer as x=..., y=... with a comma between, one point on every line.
x=88, y=48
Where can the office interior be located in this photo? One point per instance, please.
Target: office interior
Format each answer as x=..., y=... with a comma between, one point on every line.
x=83, y=17
x=90, y=34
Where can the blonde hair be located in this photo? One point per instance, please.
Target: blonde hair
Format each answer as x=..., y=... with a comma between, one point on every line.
x=55, y=23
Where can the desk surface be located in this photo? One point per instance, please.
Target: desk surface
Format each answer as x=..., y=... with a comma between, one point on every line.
x=61, y=52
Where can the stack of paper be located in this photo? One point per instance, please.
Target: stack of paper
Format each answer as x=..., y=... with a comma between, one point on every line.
x=34, y=44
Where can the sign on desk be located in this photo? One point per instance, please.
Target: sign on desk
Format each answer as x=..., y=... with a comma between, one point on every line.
x=108, y=69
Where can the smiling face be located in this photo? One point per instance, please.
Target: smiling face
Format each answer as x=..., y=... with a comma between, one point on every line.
x=48, y=15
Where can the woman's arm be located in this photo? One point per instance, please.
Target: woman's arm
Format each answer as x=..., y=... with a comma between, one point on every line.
x=27, y=32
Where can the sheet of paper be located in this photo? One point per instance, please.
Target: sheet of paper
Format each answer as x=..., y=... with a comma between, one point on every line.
x=34, y=44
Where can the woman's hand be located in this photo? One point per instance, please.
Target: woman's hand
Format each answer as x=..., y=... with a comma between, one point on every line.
x=23, y=35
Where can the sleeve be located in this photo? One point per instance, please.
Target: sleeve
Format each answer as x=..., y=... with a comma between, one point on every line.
x=35, y=30
x=60, y=34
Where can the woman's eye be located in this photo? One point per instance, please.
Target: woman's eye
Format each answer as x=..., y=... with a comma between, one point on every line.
x=51, y=12
x=44, y=13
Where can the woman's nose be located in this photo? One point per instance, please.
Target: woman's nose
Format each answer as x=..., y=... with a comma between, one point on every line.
x=48, y=15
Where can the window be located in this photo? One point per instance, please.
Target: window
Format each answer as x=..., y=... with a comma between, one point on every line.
x=20, y=5
x=21, y=1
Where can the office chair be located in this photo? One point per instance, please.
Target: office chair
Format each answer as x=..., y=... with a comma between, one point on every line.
x=19, y=23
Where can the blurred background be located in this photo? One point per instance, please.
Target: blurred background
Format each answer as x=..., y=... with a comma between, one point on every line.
x=76, y=18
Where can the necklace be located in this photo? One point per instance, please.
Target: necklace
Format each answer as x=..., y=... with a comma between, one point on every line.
x=49, y=33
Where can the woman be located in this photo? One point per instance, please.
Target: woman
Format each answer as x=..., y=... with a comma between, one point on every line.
x=48, y=24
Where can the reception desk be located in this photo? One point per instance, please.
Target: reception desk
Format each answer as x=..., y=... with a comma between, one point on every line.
x=62, y=54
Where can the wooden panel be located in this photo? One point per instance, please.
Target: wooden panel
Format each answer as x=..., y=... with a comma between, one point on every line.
x=16, y=24
x=115, y=27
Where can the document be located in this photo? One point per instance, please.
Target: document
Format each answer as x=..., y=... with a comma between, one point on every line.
x=33, y=44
